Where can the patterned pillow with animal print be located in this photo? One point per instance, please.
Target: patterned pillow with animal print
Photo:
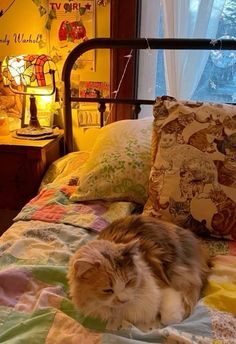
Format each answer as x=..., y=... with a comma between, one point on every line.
x=193, y=176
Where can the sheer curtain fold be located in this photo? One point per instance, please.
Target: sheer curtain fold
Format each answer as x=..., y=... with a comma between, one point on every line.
x=150, y=19
x=188, y=19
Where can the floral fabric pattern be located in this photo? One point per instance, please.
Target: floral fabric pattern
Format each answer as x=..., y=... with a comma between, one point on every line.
x=64, y=167
x=193, y=176
x=119, y=164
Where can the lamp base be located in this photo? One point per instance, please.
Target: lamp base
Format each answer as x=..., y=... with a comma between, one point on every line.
x=34, y=132
x=55, y=133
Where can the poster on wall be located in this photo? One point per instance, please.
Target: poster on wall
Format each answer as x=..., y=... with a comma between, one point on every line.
x=74, y=23
x=94, y=89
x=88, y=114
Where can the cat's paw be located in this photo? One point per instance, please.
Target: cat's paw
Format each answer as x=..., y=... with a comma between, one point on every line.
x=172, y=308
x=113, y=325
x=125, y=325
x=172, y=317
x=150, y=326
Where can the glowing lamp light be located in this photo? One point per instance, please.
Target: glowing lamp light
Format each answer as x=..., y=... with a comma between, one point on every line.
x=35, y=73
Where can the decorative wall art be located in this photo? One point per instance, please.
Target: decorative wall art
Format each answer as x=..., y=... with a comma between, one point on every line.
x=73, y=23
x=94, y=89
x=88, y=114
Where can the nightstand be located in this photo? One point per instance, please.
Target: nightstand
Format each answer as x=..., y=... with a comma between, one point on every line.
x=22, y=166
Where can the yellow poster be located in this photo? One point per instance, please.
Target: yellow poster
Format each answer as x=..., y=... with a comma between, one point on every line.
x=74, y=23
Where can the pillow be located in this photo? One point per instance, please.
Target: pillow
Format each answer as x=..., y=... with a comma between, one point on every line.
x=119, y=164
x=193, y=175
x=63, y=168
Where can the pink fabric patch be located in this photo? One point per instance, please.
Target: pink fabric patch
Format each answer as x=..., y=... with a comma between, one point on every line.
x=13, y=283
x=232, y=248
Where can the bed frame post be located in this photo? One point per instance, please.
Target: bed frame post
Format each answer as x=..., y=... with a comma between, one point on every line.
x=102, y=109
x=136, y=110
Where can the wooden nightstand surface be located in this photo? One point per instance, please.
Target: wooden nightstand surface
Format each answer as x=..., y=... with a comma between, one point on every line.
x=9, y=140
x=22, y=166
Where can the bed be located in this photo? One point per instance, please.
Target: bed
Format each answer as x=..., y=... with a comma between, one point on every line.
x=84, y=191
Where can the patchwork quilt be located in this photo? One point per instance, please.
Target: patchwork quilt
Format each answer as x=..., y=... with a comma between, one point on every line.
x=35, y=306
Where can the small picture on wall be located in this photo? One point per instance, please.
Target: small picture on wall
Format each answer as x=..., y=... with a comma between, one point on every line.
x=88, y=114
x=94, y=89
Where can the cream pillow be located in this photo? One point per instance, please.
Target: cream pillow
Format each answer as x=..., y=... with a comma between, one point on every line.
x=63, y=167
x=119, y=164
x=193, y=175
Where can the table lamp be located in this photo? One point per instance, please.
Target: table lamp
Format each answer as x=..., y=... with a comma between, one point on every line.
x=34, y=71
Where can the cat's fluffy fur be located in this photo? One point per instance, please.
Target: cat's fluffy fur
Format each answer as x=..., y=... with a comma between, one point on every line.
x=137, y=270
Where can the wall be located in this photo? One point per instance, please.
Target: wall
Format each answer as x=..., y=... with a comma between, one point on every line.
x=22, y=31
x=19, y=23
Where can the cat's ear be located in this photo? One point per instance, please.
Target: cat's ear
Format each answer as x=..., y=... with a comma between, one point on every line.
x=82, y=266
x=131, y=248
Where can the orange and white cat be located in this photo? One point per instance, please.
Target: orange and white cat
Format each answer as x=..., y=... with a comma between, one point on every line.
x=140, y=270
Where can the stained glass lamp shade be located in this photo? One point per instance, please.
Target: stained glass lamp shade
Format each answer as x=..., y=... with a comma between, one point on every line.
x=34, y=71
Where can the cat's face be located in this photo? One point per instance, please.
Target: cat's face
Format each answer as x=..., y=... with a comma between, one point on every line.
x=179, y=211
x=185, y=119
x=230, y=160
x=167, y=140
x=200, y=169
x=104, y=274
x=214, y=132
x=210, y=114
x=218, y=196
x=230, y=126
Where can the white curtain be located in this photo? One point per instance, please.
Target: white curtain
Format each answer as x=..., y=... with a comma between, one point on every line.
x=150, y=22
x=188, y=19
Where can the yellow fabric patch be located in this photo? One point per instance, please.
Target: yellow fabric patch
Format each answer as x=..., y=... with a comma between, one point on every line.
x=221, y=296
x=220, y=291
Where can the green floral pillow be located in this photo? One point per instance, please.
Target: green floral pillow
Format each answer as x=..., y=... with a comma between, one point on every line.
x=119, y=165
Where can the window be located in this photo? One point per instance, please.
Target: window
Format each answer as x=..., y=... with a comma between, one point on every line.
x=216, y=77
x=218, y=81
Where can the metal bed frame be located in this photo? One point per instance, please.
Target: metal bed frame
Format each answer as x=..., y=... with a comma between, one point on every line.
x=136, y=44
